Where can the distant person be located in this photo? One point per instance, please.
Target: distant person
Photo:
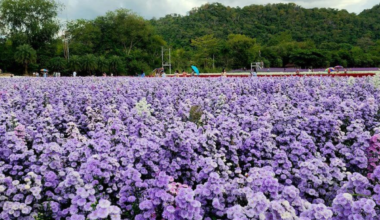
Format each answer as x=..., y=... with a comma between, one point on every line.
x=111, y=74
x=184, y=73
x=309, y=70
x=224, y=73
x=329, y=71
x=163, y=74
x=74, y=74
x=176, y=74
x=45, y=74
x=345, y=71
x=142, y=73
x=34, y=74
x=298, y=72
x=253, y=73
x=59, y=74
x=37, y=74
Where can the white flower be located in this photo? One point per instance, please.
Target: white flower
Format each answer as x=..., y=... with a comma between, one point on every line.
x=31, y=174
x=104, y=203
x=15, y=182
x=347, y=196
x=15, y=206
x=351, y=81
x=376, y=80
x=142, y=107
x=27, y=187
x=2, y=188
x=286, y=215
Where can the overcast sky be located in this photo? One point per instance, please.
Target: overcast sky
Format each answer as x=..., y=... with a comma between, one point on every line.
x=89, y=9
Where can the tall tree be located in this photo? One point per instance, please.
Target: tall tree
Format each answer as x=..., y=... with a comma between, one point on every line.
x=32, y=22
x=207, y=46
x=115, y=64
x=102, y=64
x=130, y=29
x=242, y=49
x=75, y=63
x=57, y=64
x=89, y=63
x=25, y=55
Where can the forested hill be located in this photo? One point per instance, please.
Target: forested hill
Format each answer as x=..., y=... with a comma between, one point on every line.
x=267, y=22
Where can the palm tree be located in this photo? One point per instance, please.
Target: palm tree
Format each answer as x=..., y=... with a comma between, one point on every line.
x=89, y=63
x=102, y=64
x=25, y=55
x=57, y=64
x=115, y=64
x=75, y=63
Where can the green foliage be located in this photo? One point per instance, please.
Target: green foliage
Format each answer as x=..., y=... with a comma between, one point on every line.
x=281, y=33
x=29, y=21
x=102, y=64
x=211, y=37
x=206, y=48
x=195, y=115
x=88, y=63
x=25, y=55
x=115, y=64
x=57, y=64
x=243, y=50
x=75, y=63
x=308, y=58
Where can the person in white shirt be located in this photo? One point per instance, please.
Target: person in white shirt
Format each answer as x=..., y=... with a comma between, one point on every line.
x=74, y=74
x=224, y=73
x=163, y=74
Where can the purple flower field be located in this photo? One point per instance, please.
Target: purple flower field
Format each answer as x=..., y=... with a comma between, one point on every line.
x=135, y=148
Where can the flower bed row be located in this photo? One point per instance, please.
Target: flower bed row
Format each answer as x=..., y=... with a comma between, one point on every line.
x=134, y=148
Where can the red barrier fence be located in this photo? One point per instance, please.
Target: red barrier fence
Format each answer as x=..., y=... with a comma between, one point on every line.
x=286, y=75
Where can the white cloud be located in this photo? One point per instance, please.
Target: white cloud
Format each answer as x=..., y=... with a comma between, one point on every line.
x=89, y=9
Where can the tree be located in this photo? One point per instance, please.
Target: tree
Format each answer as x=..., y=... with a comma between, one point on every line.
x=85, y=36
x=115, y=64
x=242, y=50
x=75, y=63
x=206, y=46
x=102, y=64
x=57, y=64
x=89, y=63
x=128, y=29
x=308, y=58
x=29, y=21
x=25, y=55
